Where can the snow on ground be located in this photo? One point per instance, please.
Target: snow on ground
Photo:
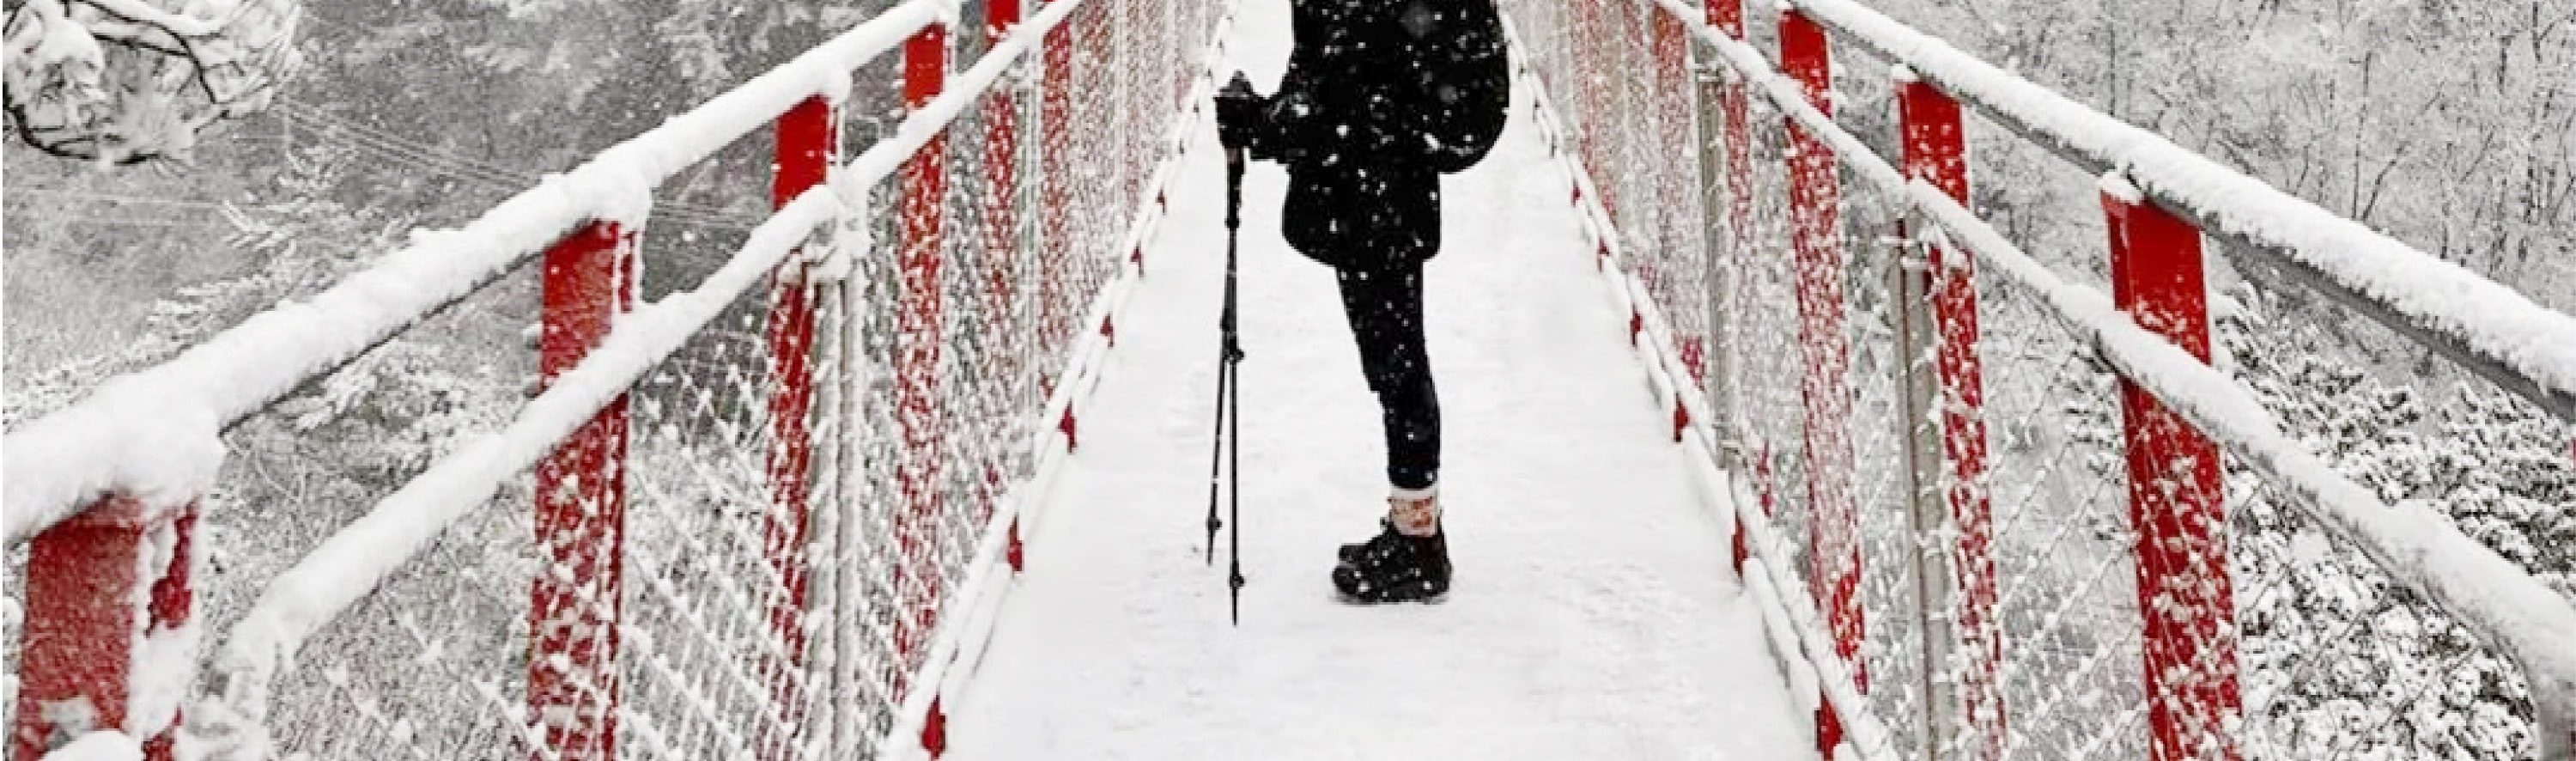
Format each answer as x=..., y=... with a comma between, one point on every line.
x=1593, y=615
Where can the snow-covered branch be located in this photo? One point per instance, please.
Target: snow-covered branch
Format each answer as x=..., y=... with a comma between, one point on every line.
x=128, y=81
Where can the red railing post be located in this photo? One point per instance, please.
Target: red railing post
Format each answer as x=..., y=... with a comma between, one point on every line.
x=807, y=136
x=1814, y=205
x=916, y=358
x=573, y=609
x=107, y=642
x=2175, y=502
x=1935, y=150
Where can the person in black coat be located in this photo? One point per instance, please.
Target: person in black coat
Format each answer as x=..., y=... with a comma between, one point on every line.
x=1380, y=99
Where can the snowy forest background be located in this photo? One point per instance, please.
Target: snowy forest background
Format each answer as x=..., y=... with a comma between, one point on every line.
x=2448, y=123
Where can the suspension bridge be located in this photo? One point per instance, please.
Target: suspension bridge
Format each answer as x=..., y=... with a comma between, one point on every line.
x=1763, y=444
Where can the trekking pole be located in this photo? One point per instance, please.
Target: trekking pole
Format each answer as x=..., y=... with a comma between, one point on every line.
x=1216, y=439
x=1226, y=352
x=1227, y=454
x=1234, y=357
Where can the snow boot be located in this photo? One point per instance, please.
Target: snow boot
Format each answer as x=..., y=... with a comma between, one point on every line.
x=1398, y=565
x=1395, y=567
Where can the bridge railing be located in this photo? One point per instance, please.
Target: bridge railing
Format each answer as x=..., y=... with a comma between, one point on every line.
x=2032, y=519
x=765, y=515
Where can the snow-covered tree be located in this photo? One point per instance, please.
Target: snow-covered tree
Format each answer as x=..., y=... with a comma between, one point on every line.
x=127, y=81
x=2338, y=655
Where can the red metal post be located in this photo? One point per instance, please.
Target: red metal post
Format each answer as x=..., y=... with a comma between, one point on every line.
x=1814, y=206
x=806, y=138
x=573, y=609
x=1935, y=150
x=916, y=361
x=104, y=587
x=2175, y=501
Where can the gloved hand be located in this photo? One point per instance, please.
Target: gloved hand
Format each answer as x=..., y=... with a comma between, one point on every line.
x=1241, y=123
x=1286, y=123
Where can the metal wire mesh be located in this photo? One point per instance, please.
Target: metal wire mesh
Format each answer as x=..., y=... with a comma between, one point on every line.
x=2022, y=631
x=800, y=507
x=2065, y=572
x=2341, y=660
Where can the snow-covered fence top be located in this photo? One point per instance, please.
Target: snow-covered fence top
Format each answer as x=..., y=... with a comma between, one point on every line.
x=2507, y=607
x=354, y=560
x=2489, y=328
x=153, y=434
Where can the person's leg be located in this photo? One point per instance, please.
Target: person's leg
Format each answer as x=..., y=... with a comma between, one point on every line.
x=1384, y=306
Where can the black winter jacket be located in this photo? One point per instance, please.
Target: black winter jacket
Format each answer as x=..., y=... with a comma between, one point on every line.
x=1354, y=116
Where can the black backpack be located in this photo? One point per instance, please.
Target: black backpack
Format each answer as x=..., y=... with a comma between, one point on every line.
x=1465, y=80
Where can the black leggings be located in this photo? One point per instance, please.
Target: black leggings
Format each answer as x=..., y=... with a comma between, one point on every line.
x=1384, y=305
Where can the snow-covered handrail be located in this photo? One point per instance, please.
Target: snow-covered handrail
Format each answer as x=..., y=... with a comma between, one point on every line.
x=2489, y=328
x=358, y=557
x=155, y=432
x=2506, y=606
x=351, y=564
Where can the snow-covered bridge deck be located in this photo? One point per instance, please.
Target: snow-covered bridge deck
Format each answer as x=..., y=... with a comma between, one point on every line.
x=781, y=550
x=1594, y=614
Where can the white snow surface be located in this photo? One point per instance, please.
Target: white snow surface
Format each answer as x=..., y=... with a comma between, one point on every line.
x=1593, y=616
x=102, y=745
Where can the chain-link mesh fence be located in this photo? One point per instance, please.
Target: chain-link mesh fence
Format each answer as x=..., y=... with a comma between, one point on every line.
x=755, y=559
x=1945, y=454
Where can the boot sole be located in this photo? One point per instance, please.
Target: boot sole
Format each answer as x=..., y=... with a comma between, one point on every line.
x=1434, y=598
x=1363, y=602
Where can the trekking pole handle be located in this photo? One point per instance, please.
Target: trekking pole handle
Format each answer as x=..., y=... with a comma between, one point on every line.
x=1233, y=188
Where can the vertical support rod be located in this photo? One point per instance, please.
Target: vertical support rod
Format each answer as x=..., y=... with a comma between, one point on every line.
x=1814, y=208
x=1708, y=357
x=1000, y=325
x=916, y=361
x=2554, y=720
x=573, y=610
x=1124, y=28
x=1055, y=196
x=1919, y=436
x=833, y=510
x=1735, y=143
x=1678, y=183
x=1935, y=150
x=805, y=140
x=106, y=589
x=857, y=504
x=1603, y=124
x=1588, y=85
x=2175, y=501
x=1175, y=62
